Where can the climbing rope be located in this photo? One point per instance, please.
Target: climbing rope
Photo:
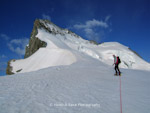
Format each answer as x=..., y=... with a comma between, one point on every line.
x=120, y=96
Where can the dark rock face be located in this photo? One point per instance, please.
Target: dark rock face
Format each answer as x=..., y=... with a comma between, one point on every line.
x=93, y=42
x=9, y=68
x=34, y=43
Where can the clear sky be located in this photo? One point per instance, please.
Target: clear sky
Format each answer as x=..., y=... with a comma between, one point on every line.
x=124, y=21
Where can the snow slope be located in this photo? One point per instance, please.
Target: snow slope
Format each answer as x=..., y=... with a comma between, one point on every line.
x=44, y=58
x=86, y=86
x=64, y=48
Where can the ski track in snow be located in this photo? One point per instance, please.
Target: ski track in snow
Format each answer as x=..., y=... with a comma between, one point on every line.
x=89, y=82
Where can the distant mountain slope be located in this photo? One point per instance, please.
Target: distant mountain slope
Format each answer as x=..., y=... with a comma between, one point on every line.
x=51, y=45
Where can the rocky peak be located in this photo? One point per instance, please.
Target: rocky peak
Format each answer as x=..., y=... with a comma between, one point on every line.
x=35, y=43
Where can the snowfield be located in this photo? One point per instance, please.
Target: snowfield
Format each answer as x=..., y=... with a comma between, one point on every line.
x=84, y=87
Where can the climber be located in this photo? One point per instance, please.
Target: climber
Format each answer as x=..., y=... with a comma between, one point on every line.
x=117, y=61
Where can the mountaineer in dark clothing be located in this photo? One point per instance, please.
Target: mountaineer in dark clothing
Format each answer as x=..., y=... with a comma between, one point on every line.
x=117, y=61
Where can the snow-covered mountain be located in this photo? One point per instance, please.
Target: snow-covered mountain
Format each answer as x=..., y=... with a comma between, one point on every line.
x=77, y=76
x=51, y=45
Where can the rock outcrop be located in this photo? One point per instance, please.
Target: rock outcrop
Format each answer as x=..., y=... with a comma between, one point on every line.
x=34, y=43
x=9, y=68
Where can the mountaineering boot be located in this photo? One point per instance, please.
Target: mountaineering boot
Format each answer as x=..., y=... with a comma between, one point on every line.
x=115, y=74
x=119, y=73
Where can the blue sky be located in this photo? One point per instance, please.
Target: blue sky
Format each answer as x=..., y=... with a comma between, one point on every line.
x=124, y=21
